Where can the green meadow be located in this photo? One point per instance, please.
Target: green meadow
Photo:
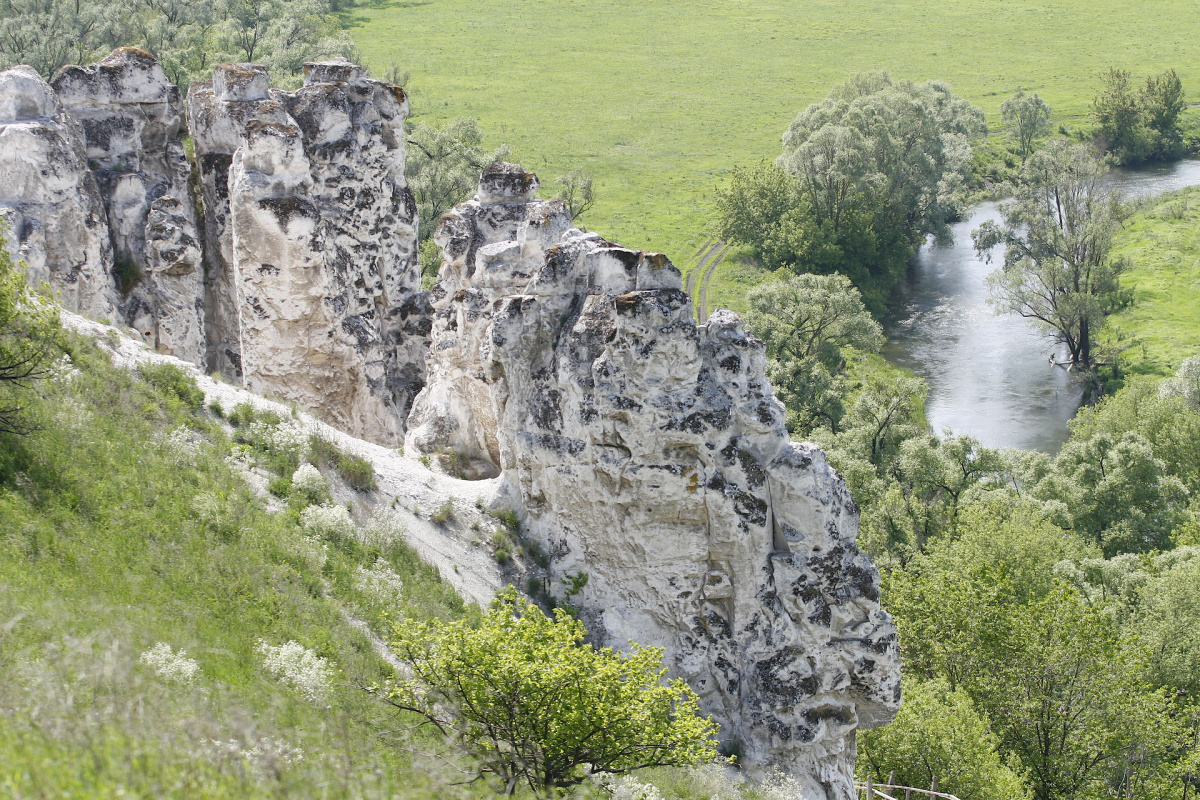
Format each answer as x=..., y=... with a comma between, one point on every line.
x=1161, y=244
x=658, y=99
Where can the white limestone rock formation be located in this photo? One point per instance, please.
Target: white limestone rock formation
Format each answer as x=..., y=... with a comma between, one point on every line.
x=132, y=120
x=49, y=201
x=650, y=454
x=218, y=112
x=314, y=284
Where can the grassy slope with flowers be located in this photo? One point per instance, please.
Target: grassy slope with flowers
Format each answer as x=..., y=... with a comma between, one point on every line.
x=123, y=527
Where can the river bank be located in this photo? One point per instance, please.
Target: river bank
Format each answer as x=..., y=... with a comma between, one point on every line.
x=989, y=374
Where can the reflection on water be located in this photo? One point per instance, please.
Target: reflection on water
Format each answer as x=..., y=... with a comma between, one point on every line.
x=989, y=375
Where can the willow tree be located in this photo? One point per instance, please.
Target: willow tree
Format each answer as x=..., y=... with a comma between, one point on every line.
x=1057, y=235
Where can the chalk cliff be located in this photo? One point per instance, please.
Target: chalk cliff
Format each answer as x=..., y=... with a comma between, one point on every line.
x=49, y=200
x=650, y=453
x=291, y=265
x=641, y=449
x=311, y=230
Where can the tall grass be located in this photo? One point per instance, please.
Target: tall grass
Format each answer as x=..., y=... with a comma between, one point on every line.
x=125, y=525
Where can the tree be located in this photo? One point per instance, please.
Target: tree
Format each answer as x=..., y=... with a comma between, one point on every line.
x=526, y=696
x=1119, y=117
x=1028, y=120
x=1162, y=103
x=1138, y=126
x=805, y=321
x=576, y=192
x=900, y=145
x=1063, y=691
x=938, y=733
x=1113, y=491
x=28, y=334
x=1057, y=233
x=443, y=166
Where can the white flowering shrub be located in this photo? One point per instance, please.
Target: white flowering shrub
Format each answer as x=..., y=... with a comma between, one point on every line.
x=62, y=371
x=380, y=583
x=266, y=756
x=214, y=513
x=624, y=787
x=1185, y=384
x=779, y=786
x=71, y=414
x=180, y=446
x=308, y=481
x=299, y=667
x=288, y=438
x=241, y=457
x=327, y=521
x=384, y=527
x=170, y=665
x=312, y=552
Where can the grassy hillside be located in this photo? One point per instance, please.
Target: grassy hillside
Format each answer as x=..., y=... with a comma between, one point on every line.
x=1162, y=245
x=125, y=528
x=659, y=99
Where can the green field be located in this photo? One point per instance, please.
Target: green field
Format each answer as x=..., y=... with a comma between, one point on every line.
x=659, y=99
x=1162, y=244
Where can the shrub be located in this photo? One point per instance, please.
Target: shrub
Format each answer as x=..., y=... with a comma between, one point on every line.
x=309, y=483
x=533, y=703
x=327, y=521
x=299, y=667
x=174, y=383
x=357, y=472
x=444, y=514
x=171, y=666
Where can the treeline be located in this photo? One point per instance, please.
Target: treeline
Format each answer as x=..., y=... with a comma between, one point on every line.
x=869, y=172
x=187, y=37
x=865, y=176
x=1046, y=604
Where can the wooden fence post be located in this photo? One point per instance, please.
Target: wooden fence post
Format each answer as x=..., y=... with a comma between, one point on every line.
x=933, y=787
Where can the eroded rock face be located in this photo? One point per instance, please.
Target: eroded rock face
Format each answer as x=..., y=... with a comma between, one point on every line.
x=314, y=289
x=49, y=200
x=650, y=453
x=132, y=121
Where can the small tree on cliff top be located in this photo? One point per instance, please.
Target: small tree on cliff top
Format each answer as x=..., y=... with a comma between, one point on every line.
x=533, y=703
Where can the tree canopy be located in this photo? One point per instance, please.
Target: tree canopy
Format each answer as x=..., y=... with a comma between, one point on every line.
x=1057, y=233
x=526, y=696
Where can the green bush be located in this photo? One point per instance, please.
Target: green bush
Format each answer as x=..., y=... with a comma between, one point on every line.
x=173, y=382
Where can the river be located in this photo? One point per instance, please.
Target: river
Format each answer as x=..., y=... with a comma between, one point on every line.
x=989, y=374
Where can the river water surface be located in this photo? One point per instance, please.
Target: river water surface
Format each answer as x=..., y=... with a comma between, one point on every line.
x=989, y=374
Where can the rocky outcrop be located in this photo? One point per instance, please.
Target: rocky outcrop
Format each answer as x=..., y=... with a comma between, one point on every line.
x=49, y=200
x=650, y=454
x=314, y=291
x=132, y=121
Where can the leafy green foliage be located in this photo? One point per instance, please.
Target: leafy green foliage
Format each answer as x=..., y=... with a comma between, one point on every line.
x=576, y=192
x=356, y=471
x=188, y=38
x=1140, y=126
x=865, y=174
x=533, y=702
x=1028, y=120
x=938, y=733
x=805, y=321
x=174, y=383
x=1064, y=692
x=443, y=166
x=1057, y=234
x=29, y=334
